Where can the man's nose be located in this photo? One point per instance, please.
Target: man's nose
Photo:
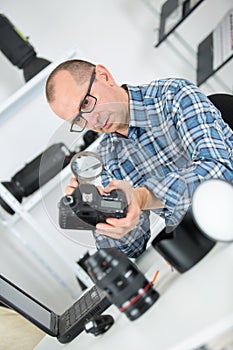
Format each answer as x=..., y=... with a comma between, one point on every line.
x=93, y=119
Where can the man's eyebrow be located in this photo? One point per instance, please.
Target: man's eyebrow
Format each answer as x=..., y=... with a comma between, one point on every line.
x=72, y=119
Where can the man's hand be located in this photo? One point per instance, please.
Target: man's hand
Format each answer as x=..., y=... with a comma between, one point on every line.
x=136, y=198
x=71, y=187
x=74, y=183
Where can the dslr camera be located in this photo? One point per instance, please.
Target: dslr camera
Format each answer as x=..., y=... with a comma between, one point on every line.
x=85, y=207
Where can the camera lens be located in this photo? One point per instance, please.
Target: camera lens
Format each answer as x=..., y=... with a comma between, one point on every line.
x=124, y=283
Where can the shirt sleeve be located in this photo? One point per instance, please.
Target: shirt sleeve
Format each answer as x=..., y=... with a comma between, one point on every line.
x=207, y=141
x=133, y=243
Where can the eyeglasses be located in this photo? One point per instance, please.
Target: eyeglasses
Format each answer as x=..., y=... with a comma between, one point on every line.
x=87, y=105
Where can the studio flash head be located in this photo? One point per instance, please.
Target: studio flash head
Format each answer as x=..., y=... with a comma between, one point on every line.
x=16, y=47
x=37, y=173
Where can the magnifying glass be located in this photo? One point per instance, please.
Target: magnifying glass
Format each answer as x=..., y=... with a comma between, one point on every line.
x=86, y=166
x=212, y=209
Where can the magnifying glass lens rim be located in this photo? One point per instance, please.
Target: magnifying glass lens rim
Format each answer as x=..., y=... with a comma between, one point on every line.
x=86, y=154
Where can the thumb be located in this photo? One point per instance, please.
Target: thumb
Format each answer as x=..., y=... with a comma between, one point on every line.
x=113, y=185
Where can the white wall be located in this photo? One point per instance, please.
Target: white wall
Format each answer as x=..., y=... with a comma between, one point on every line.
x=120, y=34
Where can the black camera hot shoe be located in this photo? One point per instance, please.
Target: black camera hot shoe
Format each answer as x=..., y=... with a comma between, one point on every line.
x=85, y=207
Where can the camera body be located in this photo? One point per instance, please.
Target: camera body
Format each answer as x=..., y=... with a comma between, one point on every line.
x=125, y=285
x=85, y=207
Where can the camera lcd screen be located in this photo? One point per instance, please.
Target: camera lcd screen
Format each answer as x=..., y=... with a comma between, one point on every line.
x=110, y=204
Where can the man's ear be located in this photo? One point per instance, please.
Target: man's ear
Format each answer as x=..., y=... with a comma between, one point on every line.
x=104, y=75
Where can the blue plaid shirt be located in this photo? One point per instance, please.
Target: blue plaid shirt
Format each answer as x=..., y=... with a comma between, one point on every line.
x=176, y=139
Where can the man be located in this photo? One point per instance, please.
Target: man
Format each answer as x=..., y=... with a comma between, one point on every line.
x=161, y=140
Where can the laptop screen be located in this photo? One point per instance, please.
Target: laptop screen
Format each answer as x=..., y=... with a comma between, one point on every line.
x=24, y=303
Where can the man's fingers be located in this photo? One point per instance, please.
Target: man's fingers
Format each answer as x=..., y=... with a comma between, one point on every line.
x=110, y=231
x=73, y=182
x=69, y=190
x=72, y=185
x=101, y=190
x=120, y=185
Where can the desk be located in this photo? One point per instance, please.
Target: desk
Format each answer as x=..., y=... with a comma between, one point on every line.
x=193, y=308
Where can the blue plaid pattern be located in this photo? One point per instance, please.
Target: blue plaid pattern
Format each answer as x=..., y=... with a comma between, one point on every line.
x=176, y=139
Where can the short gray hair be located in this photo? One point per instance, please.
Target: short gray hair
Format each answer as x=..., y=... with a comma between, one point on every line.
x=79, y=69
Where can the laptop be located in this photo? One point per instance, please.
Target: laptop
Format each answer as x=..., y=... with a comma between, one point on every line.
x=66, y=326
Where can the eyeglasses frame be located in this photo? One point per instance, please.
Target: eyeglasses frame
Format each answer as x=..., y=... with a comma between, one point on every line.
x=80, y=113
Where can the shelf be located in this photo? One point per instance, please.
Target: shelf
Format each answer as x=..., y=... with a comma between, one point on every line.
x=173, y=13
x=210, y=74
x=25, y=213
x=31, y=201
x=215, y=50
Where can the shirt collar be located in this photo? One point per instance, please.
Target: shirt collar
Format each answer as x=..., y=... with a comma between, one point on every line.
x=138, y=111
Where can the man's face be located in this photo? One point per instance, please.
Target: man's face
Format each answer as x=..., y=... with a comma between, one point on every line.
x=111, y=109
